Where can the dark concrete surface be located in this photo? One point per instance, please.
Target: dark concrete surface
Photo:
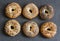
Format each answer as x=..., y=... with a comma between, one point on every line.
x=22, y=20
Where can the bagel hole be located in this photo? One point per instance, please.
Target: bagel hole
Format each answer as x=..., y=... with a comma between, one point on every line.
x=46, y=11
x=12, y=27
x=12, y=9
x=30, y=11
x=48, y=29
x=30, y=28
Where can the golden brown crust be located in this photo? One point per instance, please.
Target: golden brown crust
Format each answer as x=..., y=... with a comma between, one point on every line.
x=12, y=31
x=13, y=10
x=31, y=29
x=48, y=29
x=30, y=11
x=46, y=12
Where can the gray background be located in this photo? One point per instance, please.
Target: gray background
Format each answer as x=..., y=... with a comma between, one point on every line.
x=22, y=20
